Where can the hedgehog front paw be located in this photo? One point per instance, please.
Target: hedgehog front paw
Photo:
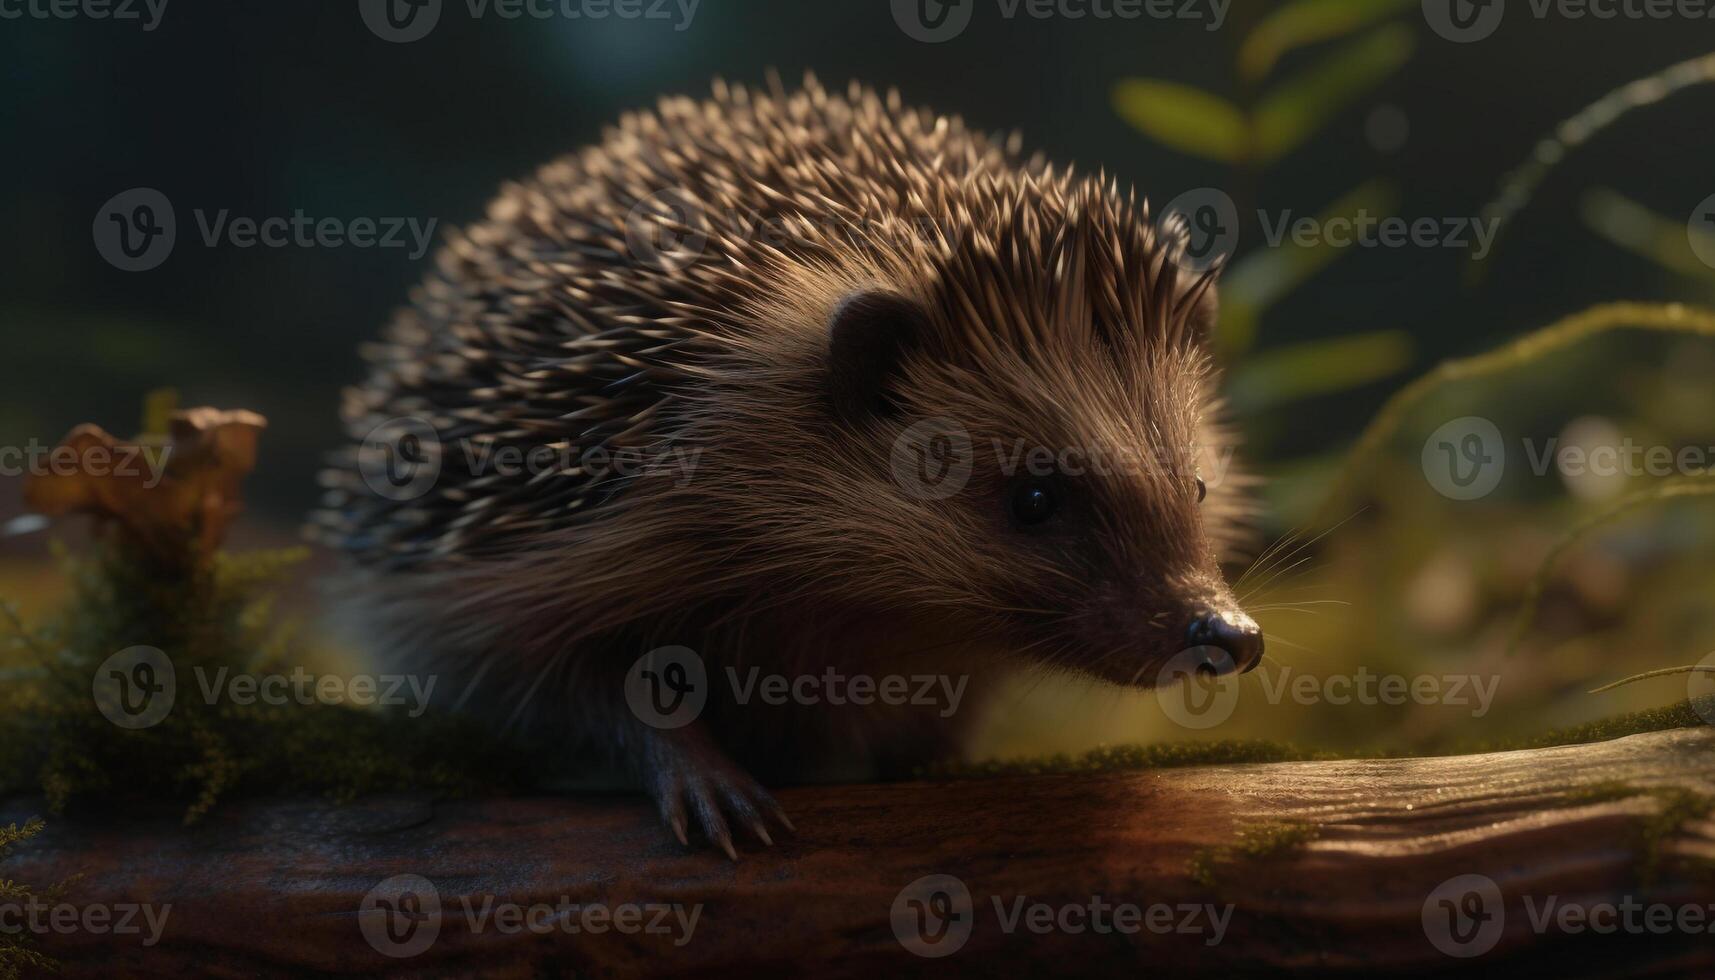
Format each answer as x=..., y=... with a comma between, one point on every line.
x=689, y=774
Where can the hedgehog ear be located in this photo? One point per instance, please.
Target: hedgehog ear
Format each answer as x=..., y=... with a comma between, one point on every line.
x=869, y=335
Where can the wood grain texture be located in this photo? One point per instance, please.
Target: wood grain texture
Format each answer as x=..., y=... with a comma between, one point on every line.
x=276, y=888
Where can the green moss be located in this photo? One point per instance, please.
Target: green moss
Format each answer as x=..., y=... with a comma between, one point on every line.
x=1124, y=757
x=1603, y=792
x=1679, y=806
x=208, y=616
x=1250, y=845
x=1685, y=714
x=1676, y=807
x=1171, y=754
x=18, y=950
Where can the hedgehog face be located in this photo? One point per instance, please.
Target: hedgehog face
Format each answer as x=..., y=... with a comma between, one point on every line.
x=1071, y=484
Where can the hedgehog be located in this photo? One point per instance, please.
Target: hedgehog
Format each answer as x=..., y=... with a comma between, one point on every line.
x=949, y=409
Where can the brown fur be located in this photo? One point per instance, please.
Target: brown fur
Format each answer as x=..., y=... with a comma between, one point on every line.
x=1053, y=313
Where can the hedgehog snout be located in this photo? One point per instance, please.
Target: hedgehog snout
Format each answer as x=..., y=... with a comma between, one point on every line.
x=1228, y=641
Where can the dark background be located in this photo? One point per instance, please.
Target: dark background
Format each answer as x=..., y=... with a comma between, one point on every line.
x=264, y=108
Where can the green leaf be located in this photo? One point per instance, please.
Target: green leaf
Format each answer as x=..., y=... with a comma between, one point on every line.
x=1630, y=225
x=1261, y=278
x=1317, y=367
x=158, y=408
x=1305, y=22
x=1184, y=118
x=1294, y=111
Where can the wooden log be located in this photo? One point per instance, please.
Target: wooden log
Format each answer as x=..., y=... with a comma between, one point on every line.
x=277, y=888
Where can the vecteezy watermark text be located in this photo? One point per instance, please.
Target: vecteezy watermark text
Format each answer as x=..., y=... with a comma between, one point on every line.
x=1207, y=220
x=138, y=687
x=44, y=918
x=148, y=13
x=1465, y=458
x=403, y=21
x=403, y=916
x=668, y=687
x=1194, y=699
x=836, y=688
x=136, y=230
x=933, y=459
x=934, y=21
x=1466, y=915
x=1365, y=230
x=1465, y=21
x=403, y=459
x=935, y=915
x=38, y=459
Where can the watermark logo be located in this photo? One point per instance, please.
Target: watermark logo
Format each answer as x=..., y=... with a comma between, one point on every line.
x=1364, y=229
x=933, y=916
x=941, y=692
x=667, y=687
x=933, y=21
x=1465, y=458
x=404, y=915
x=1205, y=222
x=1198, y=688
x=401, y=917
x=403, y=458
x=400, y=459
x=1464, y=916
x=400, y=21
x=1102, y=917
x=136, y=687
x=1208, y=221
x=932, y=458
x=1700, y=689
x=1464, y=21
x=665, y=230
x=404, y=21
x=1701, y=228
x=146, y=12
x=44, y=918
x=135, y=230
x=148, y=465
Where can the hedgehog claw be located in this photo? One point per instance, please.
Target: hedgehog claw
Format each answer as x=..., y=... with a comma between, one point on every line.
x=693, y=777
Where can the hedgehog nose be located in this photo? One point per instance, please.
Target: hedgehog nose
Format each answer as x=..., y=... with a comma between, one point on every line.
x=1229, y=643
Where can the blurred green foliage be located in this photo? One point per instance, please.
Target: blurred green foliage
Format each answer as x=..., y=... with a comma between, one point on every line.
x=18, y=951
x=207, y=616
x=1272, y=119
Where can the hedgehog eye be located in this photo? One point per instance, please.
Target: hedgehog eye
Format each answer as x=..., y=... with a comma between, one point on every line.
x=1032, y=503
x=1202, y=490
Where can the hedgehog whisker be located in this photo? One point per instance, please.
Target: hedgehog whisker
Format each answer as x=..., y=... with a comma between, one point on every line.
x=1274, y=638
x=1301, y=548
x=1267, y=553
x=1278, y=577
x=1299, y=605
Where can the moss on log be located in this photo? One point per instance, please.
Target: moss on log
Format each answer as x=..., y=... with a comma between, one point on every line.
x=1335, y=866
